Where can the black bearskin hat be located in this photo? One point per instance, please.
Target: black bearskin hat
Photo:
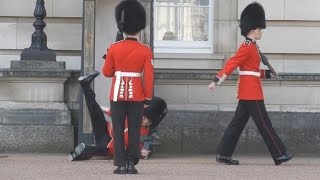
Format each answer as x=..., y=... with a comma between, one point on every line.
x=130, y=17
x=252, y=17
x=156, y=111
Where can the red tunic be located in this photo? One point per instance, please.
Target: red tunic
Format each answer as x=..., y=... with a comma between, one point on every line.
x=129, y=58
x=247, y=58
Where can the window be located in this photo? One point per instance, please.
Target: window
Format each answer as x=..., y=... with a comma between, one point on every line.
x=183, y=26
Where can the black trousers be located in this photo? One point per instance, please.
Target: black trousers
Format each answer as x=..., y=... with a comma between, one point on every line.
x=256, y=109
x=133, y=111
x=98, y=122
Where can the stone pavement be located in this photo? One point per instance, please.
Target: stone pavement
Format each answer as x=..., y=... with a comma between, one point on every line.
x=158, y=167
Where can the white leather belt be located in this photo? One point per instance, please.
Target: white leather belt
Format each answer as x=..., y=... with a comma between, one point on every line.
x=119, y=75
x=250, y=73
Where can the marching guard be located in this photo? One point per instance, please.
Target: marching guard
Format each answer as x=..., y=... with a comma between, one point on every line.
x=250, y=93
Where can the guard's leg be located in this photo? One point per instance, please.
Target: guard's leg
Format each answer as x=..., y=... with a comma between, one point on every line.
x=118, y=116
x=135, y=112
x=97, y=117
x=260, y=116
x=233, y=132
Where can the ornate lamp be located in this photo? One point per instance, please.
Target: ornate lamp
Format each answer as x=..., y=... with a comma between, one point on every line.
x=38, y=49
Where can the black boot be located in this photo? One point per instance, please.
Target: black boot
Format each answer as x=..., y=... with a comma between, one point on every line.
x=87, y=79
x=76, y=154
x=226, y=160
x=120, y=170
x=282, y=159
x=131, y=169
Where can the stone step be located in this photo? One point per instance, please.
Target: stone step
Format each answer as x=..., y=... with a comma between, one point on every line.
x=35, y=127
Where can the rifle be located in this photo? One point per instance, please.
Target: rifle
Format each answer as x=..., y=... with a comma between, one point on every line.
x=265, y=61
x=119, y=37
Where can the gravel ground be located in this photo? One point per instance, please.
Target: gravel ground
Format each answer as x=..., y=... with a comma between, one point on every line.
x=158, y=167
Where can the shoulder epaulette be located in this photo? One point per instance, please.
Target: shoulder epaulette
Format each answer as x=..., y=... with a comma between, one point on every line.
x=247, y=42
x=117, y=41
x=144, y=44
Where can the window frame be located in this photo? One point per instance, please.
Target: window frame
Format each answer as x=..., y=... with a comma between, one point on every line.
x=193, y=47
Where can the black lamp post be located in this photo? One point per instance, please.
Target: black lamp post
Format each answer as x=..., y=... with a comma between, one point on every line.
x=38, y=49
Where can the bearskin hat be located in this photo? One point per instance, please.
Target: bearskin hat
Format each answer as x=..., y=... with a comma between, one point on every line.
x=156, y=111
x=130, y=16
x=252, y=17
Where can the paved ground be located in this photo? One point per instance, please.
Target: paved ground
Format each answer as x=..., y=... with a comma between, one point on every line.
x=159, y=167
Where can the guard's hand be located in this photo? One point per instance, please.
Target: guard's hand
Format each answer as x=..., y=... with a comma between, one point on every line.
x=274, y=75
x=105, y=109
x=145, y=154
x=212, y=86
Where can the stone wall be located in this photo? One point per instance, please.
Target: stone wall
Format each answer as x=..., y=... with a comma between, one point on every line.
x=193, y=125
x=198, y=129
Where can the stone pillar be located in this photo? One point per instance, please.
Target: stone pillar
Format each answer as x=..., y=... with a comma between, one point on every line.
x=147, y=33
x=87, y=65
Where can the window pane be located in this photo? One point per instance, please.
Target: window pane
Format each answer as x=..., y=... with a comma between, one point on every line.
x=167, y=2
x=182, y=26
x=182, y=23
x=196, y=24
x=183, y=2
x=196, y=2
x=167, y=23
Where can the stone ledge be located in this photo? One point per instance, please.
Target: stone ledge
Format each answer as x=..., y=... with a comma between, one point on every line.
x=192, y=74
x=30, y=105
x=34, y=117
x=12, y=113
x=33, y=64
x=36, y=73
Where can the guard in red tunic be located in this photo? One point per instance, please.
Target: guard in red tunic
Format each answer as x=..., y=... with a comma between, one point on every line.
x=130, y=64
x=250, y=94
